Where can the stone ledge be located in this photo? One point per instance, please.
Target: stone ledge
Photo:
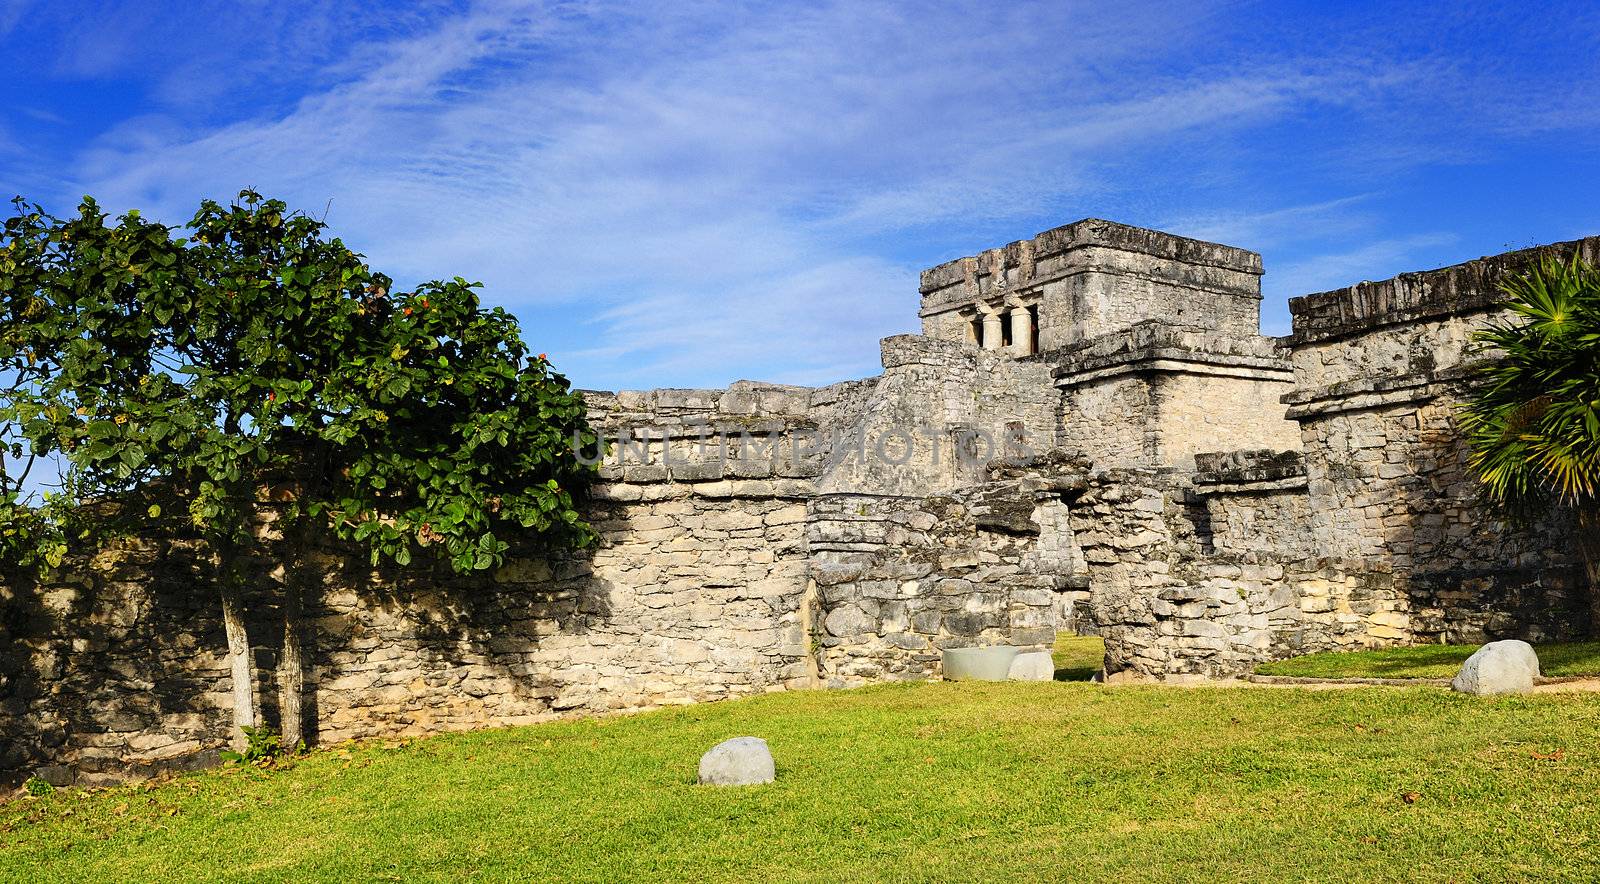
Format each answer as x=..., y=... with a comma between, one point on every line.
x=710, y=470
x=740, y=406
x=626, y=492
x=1172, y=365
x=1106, y=234
x=960, y=299
x=1471, y=286
x=1157, y=347
x=1254, y=486
x=898, y=350
x=1250, y=471
x=1361, y=394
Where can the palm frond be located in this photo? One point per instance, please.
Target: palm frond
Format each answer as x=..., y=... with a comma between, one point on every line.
x=1533, y=425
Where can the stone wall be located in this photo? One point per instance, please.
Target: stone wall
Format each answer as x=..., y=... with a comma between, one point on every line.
x=1254, y=502
x=940, y=411
x=696, y=590
x=696, y=594
x=1156, y=395
x=1381, y=371
x=1372, y=533
x=1154, y=471
x=1170, y=606
x=900, y=579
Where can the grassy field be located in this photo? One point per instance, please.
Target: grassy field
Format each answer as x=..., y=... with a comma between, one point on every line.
x=1429, y=661
x=914, y=782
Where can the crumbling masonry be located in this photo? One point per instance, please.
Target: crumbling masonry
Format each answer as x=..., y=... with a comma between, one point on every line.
x=1089, y=435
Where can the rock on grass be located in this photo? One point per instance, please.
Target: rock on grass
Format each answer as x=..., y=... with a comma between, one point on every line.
x=1503, y=667
x=741, y=761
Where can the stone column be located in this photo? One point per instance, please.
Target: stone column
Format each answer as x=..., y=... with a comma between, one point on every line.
x=991, y=331
x=1021, y=332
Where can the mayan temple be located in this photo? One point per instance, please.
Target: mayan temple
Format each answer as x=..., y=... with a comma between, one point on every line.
x=1091, y=434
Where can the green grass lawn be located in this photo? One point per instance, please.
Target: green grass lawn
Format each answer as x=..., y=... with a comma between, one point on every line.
x=913, y=782
x=1429, y=661
x=1078, y=657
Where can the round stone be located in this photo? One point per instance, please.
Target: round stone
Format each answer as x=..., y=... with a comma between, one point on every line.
x=741, y=761
x=1503, y=667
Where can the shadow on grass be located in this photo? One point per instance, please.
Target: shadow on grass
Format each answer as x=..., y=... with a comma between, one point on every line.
x=1078, y=657
x=1429, y=661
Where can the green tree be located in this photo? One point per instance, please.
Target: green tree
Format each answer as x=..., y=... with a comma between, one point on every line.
x=266, y=377
x=1533, y=426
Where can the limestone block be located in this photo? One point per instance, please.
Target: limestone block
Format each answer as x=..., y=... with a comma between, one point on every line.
x=1503, y=667
x=847, y=620
x=1032, y=666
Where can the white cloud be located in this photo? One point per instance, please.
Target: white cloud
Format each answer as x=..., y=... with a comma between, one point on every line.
x=707, y=191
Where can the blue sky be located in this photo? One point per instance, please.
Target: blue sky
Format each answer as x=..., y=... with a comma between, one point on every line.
x=689, y=193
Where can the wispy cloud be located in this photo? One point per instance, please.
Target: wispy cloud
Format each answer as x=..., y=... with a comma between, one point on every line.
x=1275, y=227
x=706, y=191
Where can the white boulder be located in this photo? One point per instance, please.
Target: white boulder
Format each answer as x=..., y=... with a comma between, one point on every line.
x=741, y=761
x=1503, y=667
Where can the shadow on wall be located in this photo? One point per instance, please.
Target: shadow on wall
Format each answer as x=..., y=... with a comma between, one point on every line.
x=420, y=648
x=116, y=664
x=1473, y=577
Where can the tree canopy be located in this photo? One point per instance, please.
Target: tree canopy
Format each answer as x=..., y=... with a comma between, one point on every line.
x=255, y=364
x=256, y=348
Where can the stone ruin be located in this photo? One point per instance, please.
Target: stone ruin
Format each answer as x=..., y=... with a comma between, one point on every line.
x=1091, y=435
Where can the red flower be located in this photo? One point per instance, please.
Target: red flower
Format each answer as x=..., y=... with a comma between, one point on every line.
x=543, y=358
x=408, y=311
x=271, y=396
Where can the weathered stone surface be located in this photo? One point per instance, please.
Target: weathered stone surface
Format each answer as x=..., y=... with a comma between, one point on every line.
x=741, y=761
x=1502, y=667
x=1033, y=666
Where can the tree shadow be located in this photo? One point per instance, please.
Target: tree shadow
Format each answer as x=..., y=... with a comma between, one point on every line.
x=116, y=665
x=102, y=670
x=1472, y=575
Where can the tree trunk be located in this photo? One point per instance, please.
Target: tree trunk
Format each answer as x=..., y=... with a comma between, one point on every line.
x=245, y=709
x=1589, y=546
x=300, y=576
x=291, y=664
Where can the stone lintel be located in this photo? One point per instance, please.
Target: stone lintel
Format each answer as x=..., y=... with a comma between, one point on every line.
x=1248, y=471
x=898, y=350
x=1025, y=293
x=649, y=492
x=1253, y=486
x=1176, y=363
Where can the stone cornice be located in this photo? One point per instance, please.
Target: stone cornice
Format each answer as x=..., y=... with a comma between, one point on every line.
x=1107, y=234
x=1155, y=347
x=1027, y=291
x=1460, y=289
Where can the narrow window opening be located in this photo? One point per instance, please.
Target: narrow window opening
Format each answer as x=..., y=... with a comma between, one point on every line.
x=1033, y=345
x=975, y=333
x=1005, y=329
